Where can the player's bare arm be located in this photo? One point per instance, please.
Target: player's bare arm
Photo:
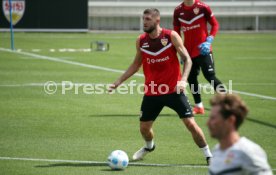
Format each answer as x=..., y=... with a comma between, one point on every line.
x=181, y=50
x=132, y=69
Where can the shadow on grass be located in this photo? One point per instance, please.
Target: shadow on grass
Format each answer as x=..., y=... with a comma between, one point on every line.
x=132, y=163
x=78, y=165
x=261, y=123
x=197, y=116
x=127, y=115
x=71, y=165
x=254, y=121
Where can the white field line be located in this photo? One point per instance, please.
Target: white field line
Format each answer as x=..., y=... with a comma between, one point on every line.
x=253, y=84
x=43, y=84
x=254, y=95
x=103, y=84
x=95, y=37
x=247, y=93
x=67, y=62
x=83, y=84
x=99, y=163
x=242, y=84
x=103, y=163
x=254, y=58
x=27, y=58
x=110, y=70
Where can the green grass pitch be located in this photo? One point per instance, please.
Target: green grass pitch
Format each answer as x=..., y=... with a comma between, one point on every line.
x=86, y=127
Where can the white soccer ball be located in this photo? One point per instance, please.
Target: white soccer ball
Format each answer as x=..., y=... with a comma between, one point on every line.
x=118, y=160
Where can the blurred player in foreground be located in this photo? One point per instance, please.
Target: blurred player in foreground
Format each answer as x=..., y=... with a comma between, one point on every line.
x=191, y=17
x=157, y=51
x=233, y=155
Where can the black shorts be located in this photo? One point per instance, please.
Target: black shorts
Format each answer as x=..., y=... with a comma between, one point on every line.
x=152, y=106
x=205, y=63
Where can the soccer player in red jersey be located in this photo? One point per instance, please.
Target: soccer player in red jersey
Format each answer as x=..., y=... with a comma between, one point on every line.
x=157, y=51
x=191, y=17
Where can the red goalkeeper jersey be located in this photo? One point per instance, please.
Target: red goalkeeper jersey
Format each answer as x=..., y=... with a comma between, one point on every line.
x=192, y=21
x=160, y=63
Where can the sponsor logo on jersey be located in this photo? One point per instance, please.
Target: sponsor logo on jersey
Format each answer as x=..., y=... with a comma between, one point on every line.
x=18, y=9
x=196, y=10
x=145, y=45
x=164, y=41
x=181, y=14
x=148, y=60
x=153, y=61
x=185, y=29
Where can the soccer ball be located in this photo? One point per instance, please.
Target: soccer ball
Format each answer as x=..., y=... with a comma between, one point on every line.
x=118, y=160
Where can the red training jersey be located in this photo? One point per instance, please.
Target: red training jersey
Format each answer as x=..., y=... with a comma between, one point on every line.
x=192, y=21
x=160, y=63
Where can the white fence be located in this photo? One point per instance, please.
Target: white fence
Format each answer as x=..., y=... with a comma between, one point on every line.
x=238, y=15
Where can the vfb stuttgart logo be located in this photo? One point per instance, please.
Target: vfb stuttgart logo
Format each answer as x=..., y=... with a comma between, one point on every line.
x=18, y=9
x=164, y=41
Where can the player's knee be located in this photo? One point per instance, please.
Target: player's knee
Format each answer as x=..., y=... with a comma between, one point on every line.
x=190, y=124
x=145, y=129
x=210, y=76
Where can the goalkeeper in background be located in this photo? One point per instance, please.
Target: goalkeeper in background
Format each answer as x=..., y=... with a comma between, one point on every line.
x=191, y=17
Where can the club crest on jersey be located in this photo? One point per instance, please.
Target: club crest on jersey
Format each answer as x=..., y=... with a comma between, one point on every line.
x=164, y=41
x=196, y=10
x=229, y=158
x=18, y=9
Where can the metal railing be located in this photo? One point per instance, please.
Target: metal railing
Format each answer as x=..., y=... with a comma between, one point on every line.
x=222, y=9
